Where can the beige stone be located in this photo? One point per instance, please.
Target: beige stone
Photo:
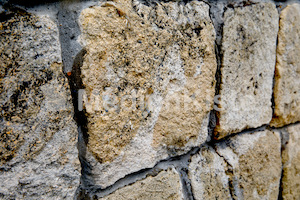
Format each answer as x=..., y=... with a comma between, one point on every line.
x=153, y=68
x=207, y=172
x=246, y=166
x=254, y=163
x=291, y=164
x=166, y=185
x=38, y=136
x=287, y=70
x=249, y=53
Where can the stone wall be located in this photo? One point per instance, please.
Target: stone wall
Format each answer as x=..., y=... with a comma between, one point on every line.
x=132, y=99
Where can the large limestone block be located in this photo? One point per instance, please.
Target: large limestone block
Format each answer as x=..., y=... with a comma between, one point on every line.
x=166, y=185
x=38, y=136
x=287, y=71
x=291, y=164
x=247, y=166
x=249, y=52
x=149, y=83
x=207, y=172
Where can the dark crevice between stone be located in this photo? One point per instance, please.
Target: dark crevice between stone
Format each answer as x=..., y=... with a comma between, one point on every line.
x=76, y=84
x=273, y=83
x=155, y=2
x=33, y=3
x=73, y=56
x=9, y=11
x=271, y=128
x=98, y=192
x=186, y=183
x=284, y=135
x=216, y=14
x=249, y=130
x=241, y=4
x=281, y=4
x=180, y=163
x=229, y=173
x=280, y=186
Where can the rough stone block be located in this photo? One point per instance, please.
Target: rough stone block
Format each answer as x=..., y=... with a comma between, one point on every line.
x=38, y=136
x=249, y=53
x=291, y=163
x=246, y=166
x=166, y=185
x=287, y=70
x=149, y=77
x=207, y=172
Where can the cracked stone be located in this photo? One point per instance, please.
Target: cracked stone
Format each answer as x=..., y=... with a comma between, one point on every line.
x=207, y=172
x=38, y=136
x=256, y=164
x=149, y=83
x=287, y=70
x=165, y=185
x=246, y=166
x=249, y=53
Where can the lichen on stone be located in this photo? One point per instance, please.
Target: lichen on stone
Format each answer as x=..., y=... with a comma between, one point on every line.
x=136, y=61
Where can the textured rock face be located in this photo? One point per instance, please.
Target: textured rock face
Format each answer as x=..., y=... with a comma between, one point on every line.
x=166, y=185
x=291, y=164
x=256, y=164
x=148, y=69
x=249, y=47
x=207, y=172
x=246, y=166
x=287, y=74
x=149, y=76
x=38, y=153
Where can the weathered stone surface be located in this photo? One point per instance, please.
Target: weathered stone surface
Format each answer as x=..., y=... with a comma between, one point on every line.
x=207, y=172
x=291, y=164
x=249, y=51
x=165, y=185
x=287, y=70
x=254, y=164
x=153, y=68
x=38, y=136
x=247, y=166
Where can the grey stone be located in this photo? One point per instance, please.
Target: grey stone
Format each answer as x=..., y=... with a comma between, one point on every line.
x=38, y=136
x=249, y=52
x=207, y=172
